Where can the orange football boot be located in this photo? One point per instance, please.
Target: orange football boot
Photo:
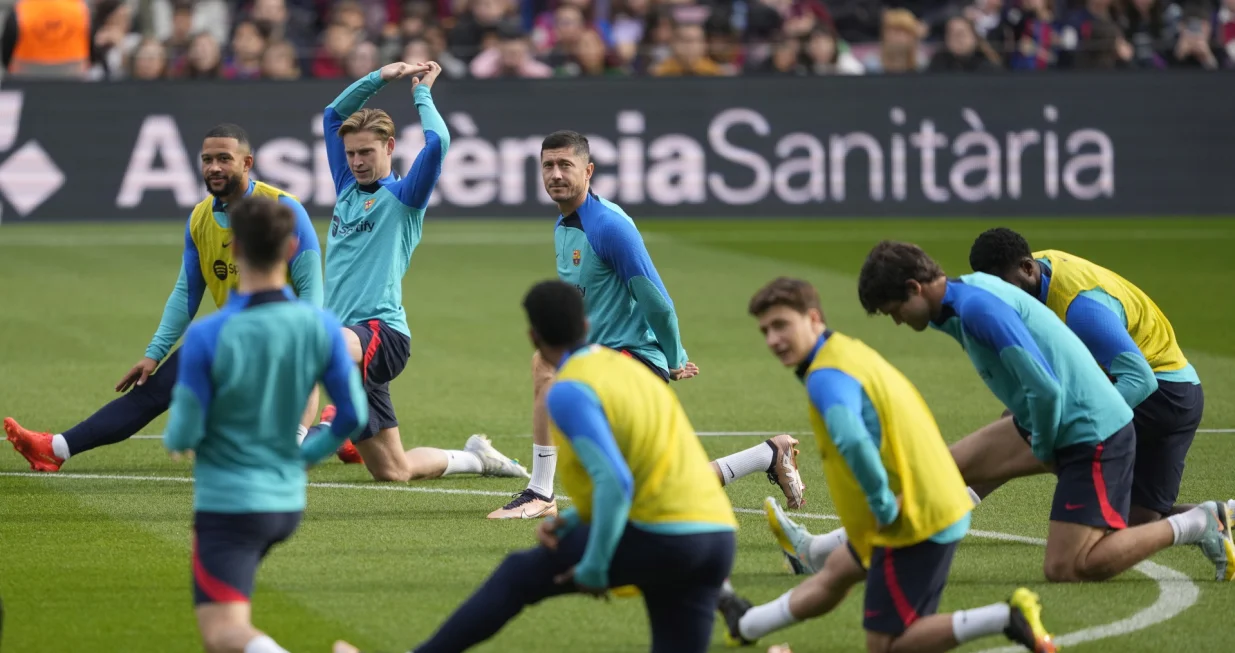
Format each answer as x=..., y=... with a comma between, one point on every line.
x=34, y=447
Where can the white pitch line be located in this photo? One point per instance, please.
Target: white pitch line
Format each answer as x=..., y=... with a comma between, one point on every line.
x=711, y=434
x=1176, y=592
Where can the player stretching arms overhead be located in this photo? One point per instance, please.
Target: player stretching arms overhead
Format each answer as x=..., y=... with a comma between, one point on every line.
x=209, y=265
x=600, y=252
x=1131, y=339
x=244, y=375
x=377, y=223
x=1080, y=425
x=647, y=510
x=896, y=489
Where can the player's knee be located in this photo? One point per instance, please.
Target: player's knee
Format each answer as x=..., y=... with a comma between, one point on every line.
x=390, y=473
x=879, y=642
x=1062, y=571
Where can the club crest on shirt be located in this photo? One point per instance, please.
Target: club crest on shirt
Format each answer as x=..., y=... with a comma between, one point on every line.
x=368, y=204
x=575, y=257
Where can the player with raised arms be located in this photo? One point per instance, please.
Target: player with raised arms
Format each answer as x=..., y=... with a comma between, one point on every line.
x=1133, y=341
x=244, y=376
x=601, y=252
x=646, y=509
x=208, y=264
x=896, y=489
x=377, y=224
x=1080, y=426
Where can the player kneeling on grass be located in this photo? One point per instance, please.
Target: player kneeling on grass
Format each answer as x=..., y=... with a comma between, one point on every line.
x=245, y=374
x=896, y=490
x=647, y=510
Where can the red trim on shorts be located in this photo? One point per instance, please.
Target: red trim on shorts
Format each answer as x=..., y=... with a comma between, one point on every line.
x=625, y=353
x=1112, y=517
x=217, y=590
x=907, y=613
x=375, y=341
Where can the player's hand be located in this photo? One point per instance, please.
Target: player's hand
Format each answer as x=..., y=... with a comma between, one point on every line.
x=684, y=372
x=138, y=375
x=547, y=532
x=568, y=578
x=432, y=70
x=399, y=70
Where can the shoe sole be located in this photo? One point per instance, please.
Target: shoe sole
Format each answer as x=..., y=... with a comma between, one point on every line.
x=1228, y=544
x=485, y=449
x=782, y=537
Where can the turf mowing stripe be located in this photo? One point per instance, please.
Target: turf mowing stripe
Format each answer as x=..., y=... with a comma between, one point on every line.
x=1176, y=592
x=714, y=434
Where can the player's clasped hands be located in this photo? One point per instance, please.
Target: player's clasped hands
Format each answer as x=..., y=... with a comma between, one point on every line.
x=421, y=73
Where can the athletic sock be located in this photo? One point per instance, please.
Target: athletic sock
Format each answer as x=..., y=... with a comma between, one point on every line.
x=302, y=432
x=821, y=546
x=1189, y=526
x=968, y=625
x=544, y=465
x=766, y=619
x=263, y=644
x=60, y=446
x=463, y=462
x=755, y=459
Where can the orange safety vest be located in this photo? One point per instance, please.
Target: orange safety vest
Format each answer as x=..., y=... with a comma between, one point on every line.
x=53, y=39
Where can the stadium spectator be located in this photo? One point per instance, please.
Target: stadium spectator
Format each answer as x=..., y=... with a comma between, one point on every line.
x=657, y=37
x=963, y=50
x=214, y=16
x=786, y=59
x=1193, y=48
x=281, y=22
x=985, y=15
x=338, y=41
x=31, y=50
x=630, y=19
x=423, y=49
x=1029, y=37
x=1104, y=47
x=724, y=41
x=568, y=28
x=690, y=55
x=362, y=60
x=590, y=58
x=545, y=31
x=826, y=54
x=511, y=57
x=247, y=45
x=481, y=16
x=176, y=45
x=204, y=60
x=279, y=61
x=1150, y=28
x=149, y=61
x=900, y=49
x=111, y=40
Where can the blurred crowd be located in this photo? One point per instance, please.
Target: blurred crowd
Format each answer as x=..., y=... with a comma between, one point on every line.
x=344, y=39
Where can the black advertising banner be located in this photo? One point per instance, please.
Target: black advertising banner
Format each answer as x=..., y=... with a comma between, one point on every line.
x=1009, y=145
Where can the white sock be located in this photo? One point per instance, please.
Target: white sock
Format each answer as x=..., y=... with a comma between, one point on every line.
x=968, y=625
x=763, y=620
x=463, y=462
x=544, y=465
x=60, y=447
x=1230, y=505
x=755, y=459
x=821, y=546
x=1189, y=526
x=973, y=496
x=263, y=644
x=302, y=432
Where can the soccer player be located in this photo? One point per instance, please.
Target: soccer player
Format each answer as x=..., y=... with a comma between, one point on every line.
x=241, y=386
x=600, y=252
x=896, y=488
x=377, y=224
x=647, y=510
x=209, y=264
x=1079, y=424
x=1131, y=339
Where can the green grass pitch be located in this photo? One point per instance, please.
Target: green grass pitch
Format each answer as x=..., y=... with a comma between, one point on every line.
x=97, y=557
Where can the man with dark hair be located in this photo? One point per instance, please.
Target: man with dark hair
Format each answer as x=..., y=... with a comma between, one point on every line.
x=1079, y=424
x=601, y=252
x=209, y=264
x=646, y=510
x=896, y=489
x=1130, y=337
x=377, y=225
x=245, y=374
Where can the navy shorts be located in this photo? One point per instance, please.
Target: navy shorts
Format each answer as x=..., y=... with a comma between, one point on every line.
x=904, y=585
x=227, y=548
x=1166, y=422
x=1095, y=481
x=656, y=369
x=385, y=355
